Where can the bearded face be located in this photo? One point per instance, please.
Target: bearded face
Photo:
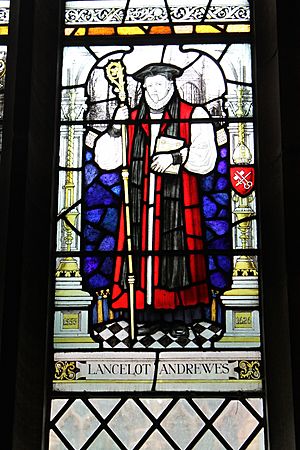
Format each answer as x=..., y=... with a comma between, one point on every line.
x=157, y=87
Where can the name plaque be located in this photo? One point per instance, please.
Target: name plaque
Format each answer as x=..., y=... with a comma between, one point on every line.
x=151, y=371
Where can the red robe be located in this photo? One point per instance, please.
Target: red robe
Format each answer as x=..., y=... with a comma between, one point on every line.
x=197, y=291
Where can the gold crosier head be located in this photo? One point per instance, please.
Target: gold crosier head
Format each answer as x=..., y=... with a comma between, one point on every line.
x=115, y=72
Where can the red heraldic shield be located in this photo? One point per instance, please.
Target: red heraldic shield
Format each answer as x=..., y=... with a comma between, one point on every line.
x=242, y=179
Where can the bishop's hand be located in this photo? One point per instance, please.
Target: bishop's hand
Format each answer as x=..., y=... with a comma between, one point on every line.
x=121, y=115
x=161, y=162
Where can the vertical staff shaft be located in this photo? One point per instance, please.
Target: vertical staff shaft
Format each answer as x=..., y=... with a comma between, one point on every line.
x=115, y=74
x=125, y=176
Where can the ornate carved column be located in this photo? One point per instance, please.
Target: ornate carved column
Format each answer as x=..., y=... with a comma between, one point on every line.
x=72, y=304
x=242, y=300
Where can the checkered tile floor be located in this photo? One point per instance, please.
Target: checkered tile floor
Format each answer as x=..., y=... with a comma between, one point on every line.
x=201, y=335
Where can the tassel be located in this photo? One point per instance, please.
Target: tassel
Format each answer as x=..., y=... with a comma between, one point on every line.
x=104, y=314
x=213, y=310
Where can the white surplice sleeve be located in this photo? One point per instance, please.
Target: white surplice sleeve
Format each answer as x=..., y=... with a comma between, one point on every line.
x=202, y=152
x=108, y=151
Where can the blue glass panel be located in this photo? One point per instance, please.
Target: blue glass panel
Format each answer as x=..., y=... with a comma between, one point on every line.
x=107, y=266
x=88, y=156
x=94, y=215
x=91, y=233
x=109, y=179
x=218, y=280
x=208, y=183
x=223, y=152
x=90, y=173
x=220, y=227
x=224, y=262
x=91, y=264
x=209, y=235
x=222, y=184
x=223, y=213
x=220, y=244
x=90, y=248
x=222, y=198
x=211, y=263
x=117, y=190
x=222, y=167
x=209, y=207
x=107, y=244
x=111, y=219
x=99, y=195
x=98, y=281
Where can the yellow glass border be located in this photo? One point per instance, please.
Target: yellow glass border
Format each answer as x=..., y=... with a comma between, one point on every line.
x=158, y=30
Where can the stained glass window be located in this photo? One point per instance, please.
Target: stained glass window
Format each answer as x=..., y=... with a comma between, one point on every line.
x=157, y=300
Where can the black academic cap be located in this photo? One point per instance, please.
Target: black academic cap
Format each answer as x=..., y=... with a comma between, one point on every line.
x=168, y=70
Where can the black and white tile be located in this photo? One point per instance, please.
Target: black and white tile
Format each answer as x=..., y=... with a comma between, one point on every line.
x=116, y=336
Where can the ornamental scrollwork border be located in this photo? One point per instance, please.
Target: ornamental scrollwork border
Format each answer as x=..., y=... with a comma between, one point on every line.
x=106, y=15
x=249, y=370
x=65, y=371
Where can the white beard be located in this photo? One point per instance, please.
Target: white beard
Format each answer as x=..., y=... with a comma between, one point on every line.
x=160, y=103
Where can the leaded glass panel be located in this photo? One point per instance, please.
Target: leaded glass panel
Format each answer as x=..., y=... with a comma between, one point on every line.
x=157, y=297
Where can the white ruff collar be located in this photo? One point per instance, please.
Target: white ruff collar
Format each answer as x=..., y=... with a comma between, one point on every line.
x=161, y=103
